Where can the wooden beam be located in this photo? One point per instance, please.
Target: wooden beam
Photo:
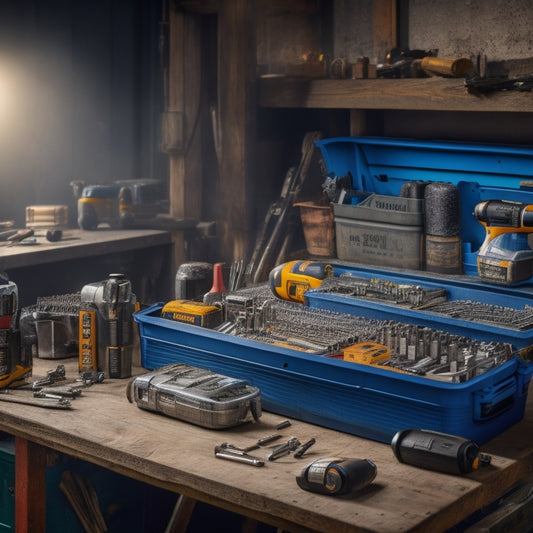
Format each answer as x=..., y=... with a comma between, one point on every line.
x=236, y=113
x=413, y=94
x=183, y=121
x=385, y=27
x=30, y=486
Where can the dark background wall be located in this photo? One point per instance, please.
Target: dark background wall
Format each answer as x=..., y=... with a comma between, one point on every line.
x=80, y=97
x=81, y=87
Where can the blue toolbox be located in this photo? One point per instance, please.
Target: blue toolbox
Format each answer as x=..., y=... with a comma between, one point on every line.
x=368, y=400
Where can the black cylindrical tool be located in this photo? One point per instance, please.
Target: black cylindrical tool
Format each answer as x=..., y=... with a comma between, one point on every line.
x=337, y=476
x=441, y=214
x=413, y=189
x=437, y=451
x=442, y=228
x=193, y=280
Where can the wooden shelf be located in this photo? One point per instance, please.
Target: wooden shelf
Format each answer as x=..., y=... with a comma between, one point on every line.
x=421, y=94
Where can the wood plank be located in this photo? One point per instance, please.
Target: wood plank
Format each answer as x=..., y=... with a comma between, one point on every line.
x=30, y=486
x=431, y=94
x=384, y=26
x=236, y=112
x=184, y=100
x=179, y=457
x=79, y=244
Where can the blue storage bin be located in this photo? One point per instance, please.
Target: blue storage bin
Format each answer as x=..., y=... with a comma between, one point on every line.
x=365, y=400
x=480, y=172
x=358, y=399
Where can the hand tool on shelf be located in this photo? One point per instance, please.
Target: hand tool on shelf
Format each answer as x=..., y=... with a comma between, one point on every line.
x=44, y=401
x=303, y=448
x=274, y=236
x=52, y=376
x=505, y=257
x=420, y=63
x=284, y=449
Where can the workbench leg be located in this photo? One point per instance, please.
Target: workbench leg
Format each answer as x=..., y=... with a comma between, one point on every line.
x=30, y=487
x=181, y=515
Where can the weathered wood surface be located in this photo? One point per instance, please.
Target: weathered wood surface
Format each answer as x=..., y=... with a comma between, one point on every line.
x=426, y=94
x=237, y=116
x=104, y=428
x=78, y=244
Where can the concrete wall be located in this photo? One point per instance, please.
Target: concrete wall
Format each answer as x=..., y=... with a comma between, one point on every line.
x=497, y=29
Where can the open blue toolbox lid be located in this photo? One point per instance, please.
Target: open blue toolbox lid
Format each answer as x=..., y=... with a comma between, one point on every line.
x=480, y=172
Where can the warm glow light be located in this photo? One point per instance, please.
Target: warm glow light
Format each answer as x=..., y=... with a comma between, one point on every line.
x=5, y=91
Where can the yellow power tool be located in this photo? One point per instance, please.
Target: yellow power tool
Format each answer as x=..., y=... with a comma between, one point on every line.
x=290, y=281
x=505, y=256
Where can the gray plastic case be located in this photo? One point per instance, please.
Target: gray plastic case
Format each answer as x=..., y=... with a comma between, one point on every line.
x=196, y=395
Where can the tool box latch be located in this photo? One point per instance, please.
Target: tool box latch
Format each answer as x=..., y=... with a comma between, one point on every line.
x=494, y=400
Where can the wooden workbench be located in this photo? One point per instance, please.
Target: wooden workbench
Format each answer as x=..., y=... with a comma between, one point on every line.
x=80, y=257
x=105, y=429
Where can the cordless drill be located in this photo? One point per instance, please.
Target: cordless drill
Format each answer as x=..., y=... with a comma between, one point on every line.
x=505, y=256
x=290, y=281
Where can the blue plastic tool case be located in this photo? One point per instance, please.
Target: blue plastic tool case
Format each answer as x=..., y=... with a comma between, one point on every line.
x=370, y=401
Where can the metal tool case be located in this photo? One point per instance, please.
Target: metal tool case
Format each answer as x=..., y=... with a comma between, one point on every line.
x=198, y=396
x=366, y=400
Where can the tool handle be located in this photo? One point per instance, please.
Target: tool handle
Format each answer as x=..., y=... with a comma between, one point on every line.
x=448, y=67
x=435, y=451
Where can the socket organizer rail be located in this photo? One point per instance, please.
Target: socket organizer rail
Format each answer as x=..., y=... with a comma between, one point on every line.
x=434, y=300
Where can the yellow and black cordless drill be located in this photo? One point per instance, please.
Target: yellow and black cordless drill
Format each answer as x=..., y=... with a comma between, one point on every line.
x=505, y=257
